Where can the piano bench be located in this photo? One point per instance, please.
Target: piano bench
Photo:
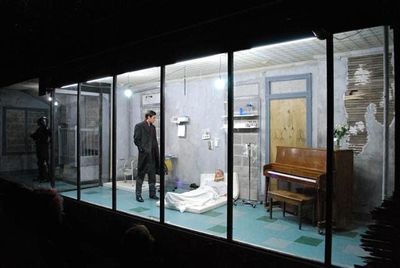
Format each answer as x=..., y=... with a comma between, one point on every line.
x=292, y=198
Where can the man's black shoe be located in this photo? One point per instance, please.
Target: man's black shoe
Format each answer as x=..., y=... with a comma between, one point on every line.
x=193, y=186
x=139, y=198
x=154, y=197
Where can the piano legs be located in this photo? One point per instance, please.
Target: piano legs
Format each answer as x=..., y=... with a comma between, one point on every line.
x=292, y=198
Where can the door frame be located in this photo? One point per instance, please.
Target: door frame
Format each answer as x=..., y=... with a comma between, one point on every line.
x=307, y=94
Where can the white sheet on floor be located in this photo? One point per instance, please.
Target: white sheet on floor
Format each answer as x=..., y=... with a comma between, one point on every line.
x=203, y=198
x=197, y=198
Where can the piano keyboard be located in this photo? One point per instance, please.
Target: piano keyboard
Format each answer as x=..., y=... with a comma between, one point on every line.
x=291, y=176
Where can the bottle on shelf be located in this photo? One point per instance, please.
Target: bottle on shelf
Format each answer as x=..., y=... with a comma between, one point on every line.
x=249, y=108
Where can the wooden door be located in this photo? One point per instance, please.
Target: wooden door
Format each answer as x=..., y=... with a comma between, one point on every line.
x=288, y=101
x=287, y=124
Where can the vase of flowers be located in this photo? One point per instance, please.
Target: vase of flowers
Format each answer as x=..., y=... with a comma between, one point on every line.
x=339, y=132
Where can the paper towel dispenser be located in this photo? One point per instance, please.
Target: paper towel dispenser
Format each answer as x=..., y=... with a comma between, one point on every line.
x=180, y=119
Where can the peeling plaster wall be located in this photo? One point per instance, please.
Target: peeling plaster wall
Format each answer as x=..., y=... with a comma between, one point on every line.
x=364, y=105
x=367, y=186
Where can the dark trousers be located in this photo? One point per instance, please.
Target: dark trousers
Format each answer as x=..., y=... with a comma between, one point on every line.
x=151, y=173
x=43, y=166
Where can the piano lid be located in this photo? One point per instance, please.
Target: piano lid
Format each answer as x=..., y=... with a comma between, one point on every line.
x=303, y=157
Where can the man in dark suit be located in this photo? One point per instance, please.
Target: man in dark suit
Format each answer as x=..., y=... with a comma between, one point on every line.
x=145, y=139
x=42, y=137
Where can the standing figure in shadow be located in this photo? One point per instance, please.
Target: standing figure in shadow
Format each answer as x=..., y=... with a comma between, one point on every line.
x=42, y=137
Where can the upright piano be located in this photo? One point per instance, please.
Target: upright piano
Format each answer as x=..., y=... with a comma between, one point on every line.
x=307, y=167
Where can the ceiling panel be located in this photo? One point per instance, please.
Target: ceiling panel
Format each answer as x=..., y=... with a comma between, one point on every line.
x=274, y=55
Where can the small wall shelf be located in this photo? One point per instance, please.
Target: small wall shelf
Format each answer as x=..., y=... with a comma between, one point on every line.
x=242, y=115
x=246, y=114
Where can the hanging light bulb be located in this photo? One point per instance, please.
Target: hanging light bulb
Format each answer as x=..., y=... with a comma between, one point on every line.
x=56, y=103
x=219, y=83
x=49, y=98
x=128, y=93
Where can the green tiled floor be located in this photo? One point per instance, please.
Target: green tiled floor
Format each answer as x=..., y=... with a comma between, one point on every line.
x=139, y=209
x=250, y=225
x=92, y=192
x=310, y=241
x=348, y=234
x=212, y=213
x=266, y=219
x=218, y=229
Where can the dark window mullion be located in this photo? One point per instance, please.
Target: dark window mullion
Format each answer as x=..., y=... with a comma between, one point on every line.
x=78, y=144
x=329, y=145
x=162, y=143
x=114, y=143
x=230, y=147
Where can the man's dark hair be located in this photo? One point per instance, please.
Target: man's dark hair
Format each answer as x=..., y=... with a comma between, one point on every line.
x=150, y=113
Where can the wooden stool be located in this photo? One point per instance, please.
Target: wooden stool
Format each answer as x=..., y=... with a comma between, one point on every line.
x=292, y=198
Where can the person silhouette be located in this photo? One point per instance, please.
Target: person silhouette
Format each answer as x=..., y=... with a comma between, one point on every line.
x=138, y=240
x=42, y=137
x=145, y=138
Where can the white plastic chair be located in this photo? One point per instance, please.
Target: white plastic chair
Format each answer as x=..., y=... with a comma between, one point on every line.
x=129, y=168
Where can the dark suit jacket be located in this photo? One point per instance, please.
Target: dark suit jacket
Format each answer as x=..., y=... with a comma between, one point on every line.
x=41, y=137
x=145, y=139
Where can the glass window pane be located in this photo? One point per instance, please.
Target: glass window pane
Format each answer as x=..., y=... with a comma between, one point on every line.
x=360, y=124
x=196, y=144
x=65, y=103
x=94, y=116
x=138, y=93
x=279, y=92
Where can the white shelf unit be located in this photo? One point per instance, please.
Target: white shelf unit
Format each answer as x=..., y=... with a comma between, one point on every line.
x=247, y=131
x=246, y=114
